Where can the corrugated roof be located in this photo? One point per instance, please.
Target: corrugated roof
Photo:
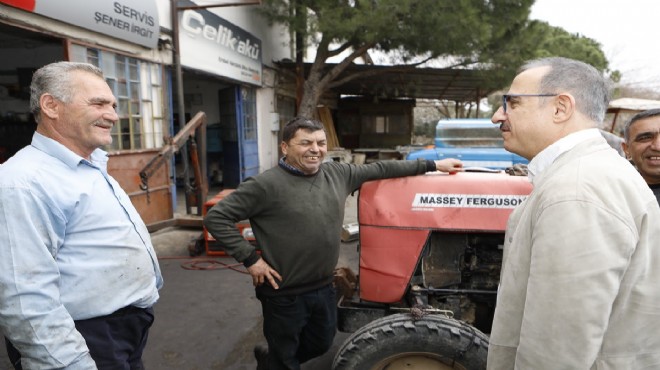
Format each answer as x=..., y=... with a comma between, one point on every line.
x=632, y=104
x=462, y=85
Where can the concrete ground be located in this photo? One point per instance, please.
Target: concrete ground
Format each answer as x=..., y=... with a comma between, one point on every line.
x=210, y=319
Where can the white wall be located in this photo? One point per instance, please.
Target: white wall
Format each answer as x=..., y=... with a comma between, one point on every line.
x=208, y=88
x=267, y=137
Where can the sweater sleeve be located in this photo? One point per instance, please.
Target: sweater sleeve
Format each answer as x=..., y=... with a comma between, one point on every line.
x=430, y=165
x=221, y=219
x=359, y=174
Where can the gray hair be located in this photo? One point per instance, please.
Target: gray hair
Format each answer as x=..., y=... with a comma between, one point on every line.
x=588, y=86
x=55, y=79
x=637, y=117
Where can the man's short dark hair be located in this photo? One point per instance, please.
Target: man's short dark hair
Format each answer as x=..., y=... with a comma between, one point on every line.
x=299, y=123
x=639, y=116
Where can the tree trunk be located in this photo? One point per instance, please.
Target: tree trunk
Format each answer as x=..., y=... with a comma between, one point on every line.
x=309, y=102
x=313, y=90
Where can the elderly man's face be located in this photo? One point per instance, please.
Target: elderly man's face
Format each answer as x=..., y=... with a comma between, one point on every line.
x=85, y=123
x=643, y=148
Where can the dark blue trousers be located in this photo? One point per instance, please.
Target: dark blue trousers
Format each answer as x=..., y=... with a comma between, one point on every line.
x=299, y=327
x=115, y=341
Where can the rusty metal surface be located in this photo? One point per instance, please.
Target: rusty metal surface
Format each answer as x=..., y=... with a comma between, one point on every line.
x=154, y=205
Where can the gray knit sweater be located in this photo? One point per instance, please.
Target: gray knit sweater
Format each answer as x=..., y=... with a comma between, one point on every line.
x=297, y=219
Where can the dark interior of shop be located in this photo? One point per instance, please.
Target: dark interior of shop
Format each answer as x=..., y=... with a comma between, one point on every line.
x=21, y=53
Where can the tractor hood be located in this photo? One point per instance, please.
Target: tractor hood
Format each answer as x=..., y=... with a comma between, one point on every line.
x=396, y=217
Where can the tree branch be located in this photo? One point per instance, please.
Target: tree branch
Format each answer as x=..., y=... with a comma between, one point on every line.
x=339, y=50
x=340, y=67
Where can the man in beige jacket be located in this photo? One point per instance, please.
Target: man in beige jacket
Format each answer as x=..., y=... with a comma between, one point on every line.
x=580, y=281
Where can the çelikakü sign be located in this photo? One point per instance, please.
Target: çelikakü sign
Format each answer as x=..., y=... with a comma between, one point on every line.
x=212, y=44
x=133, y=21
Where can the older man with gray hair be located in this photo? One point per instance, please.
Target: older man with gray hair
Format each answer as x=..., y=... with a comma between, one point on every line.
x=581, y=266
x=78, y=273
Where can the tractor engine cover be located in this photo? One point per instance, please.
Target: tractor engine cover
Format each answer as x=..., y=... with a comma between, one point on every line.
x=398, y=216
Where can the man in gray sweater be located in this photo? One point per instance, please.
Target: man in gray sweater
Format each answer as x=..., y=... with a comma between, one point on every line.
x=296, y=212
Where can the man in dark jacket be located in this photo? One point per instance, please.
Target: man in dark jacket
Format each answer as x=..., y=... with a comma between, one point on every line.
x=296, y=210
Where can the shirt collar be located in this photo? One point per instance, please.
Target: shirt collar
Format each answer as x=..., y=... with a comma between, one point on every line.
x=547, y=156
x=99, y=157
x=290, y=168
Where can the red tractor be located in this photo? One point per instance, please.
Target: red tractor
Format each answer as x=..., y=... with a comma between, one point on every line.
x=430, y=252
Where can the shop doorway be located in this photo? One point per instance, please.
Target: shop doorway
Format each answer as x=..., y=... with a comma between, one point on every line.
x=21, y=53
x=238, y=122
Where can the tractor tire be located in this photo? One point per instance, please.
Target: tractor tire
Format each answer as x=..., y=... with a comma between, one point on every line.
x=400, y=342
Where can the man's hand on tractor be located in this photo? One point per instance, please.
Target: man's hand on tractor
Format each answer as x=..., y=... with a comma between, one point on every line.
x=262, y=272
x=451, y=165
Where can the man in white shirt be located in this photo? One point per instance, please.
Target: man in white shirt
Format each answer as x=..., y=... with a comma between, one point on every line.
x=78, y=273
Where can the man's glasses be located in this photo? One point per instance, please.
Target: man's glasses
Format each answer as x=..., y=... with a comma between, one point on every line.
x=506, y=97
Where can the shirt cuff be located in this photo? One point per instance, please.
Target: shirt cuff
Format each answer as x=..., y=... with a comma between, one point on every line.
x=430, y=166
x=251, y=260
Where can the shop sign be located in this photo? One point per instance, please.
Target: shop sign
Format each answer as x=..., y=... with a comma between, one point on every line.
x=133, y=21
x=215, y=45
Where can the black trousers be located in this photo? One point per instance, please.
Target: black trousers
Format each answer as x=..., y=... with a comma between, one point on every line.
x=115, y=341
x=299, y=327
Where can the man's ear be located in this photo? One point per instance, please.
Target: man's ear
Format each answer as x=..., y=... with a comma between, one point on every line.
x=49, y=106
x=284, y=147
x=624, y=146
x=564, y=107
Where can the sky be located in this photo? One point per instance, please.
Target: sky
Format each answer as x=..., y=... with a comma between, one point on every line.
x=628, y=31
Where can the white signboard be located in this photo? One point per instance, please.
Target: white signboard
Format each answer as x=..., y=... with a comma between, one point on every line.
x=212, y=44
x=133, y=21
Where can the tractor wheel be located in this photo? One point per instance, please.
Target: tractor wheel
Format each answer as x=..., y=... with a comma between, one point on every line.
x=400, y=342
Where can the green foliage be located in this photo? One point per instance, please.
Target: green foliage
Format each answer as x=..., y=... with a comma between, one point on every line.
x=414, y=27
x=495, y=36
x=537, y=39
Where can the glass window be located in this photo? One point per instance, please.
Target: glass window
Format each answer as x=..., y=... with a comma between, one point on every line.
x=135, y=90
x=124, y=133
x=78, y=53
x=138, y=86
x=132, y=69
x=109, y=65
x=121, y=67
x=380, y=125
x=249, y=96
x=93, y=57
x=121, y=89
x=395, y=124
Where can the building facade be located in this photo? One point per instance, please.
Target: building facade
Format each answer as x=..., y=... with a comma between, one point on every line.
x=225, y=55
